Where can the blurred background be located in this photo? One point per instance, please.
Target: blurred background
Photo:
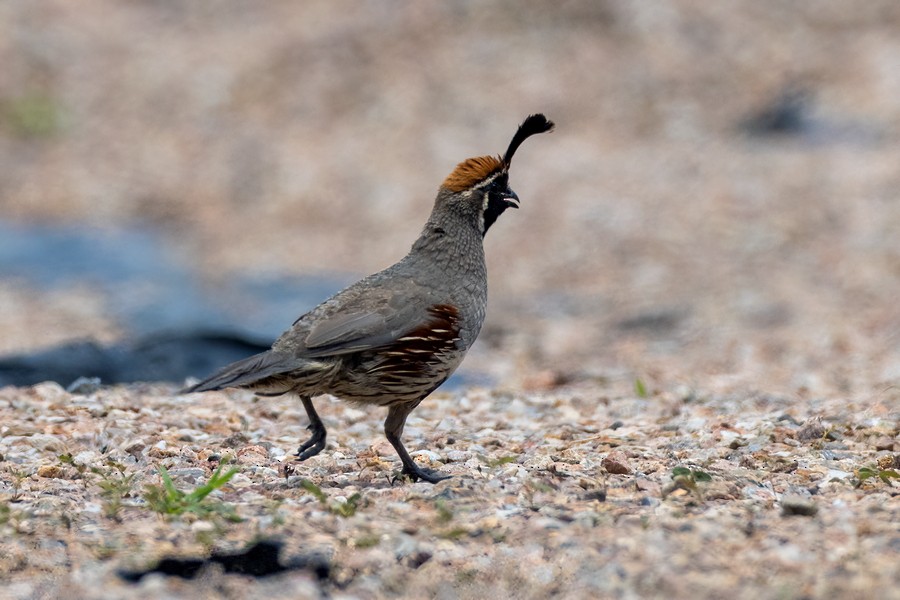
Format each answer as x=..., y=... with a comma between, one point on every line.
x=716, y=209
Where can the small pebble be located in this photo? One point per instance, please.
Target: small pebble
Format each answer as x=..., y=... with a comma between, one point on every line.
x=616, y=463
x=252, y=455
x=598, y=494
x=431, y=455
x=884, y=443
x=84, y=386
x=50, y=471
x=812, y=430
x=794, y=505
x=645, y=485
x=458, y=455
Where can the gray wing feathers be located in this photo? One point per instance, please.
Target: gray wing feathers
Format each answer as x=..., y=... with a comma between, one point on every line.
x=344, y=330
x=368, y=331
x=358, y=322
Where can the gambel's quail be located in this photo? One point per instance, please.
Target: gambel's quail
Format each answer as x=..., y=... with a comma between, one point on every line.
x=393, y=337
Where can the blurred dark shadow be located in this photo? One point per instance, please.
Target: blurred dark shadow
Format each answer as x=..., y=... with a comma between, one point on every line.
x=176, y=327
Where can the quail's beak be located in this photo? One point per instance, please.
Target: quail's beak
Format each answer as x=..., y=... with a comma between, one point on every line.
x=511, y=199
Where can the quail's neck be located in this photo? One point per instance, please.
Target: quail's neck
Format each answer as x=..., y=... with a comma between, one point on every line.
x=453, y=249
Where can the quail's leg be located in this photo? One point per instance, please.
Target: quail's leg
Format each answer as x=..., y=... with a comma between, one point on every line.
x=393, y=428
x=316, y=443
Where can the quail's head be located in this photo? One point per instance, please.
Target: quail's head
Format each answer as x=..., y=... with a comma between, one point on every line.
x=478, y=188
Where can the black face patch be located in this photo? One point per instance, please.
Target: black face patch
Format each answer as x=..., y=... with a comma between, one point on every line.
x=498, y=194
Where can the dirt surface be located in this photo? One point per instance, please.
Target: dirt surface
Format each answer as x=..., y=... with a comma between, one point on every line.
x=689, y=284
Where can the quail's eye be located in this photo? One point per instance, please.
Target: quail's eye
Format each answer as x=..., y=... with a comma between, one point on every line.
x=500, y=184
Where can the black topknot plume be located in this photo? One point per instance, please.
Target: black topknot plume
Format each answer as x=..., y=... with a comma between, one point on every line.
x=532, y=125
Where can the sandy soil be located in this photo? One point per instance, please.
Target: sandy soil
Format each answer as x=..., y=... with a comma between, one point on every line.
x=678, y=290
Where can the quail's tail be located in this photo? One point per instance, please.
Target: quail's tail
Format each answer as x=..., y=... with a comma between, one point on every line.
x=247, y=372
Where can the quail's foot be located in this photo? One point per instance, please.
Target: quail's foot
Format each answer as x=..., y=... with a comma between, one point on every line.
x=314, y=445
x=416, y=473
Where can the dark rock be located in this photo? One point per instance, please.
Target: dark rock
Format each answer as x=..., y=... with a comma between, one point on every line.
x=786, y=114
x=259, y=560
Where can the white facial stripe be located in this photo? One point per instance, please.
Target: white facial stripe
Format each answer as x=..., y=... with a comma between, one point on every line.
x=489, y=180
x=484, y=207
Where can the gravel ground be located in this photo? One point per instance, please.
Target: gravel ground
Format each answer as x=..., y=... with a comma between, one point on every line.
x=693, y=334
x=561, y=492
